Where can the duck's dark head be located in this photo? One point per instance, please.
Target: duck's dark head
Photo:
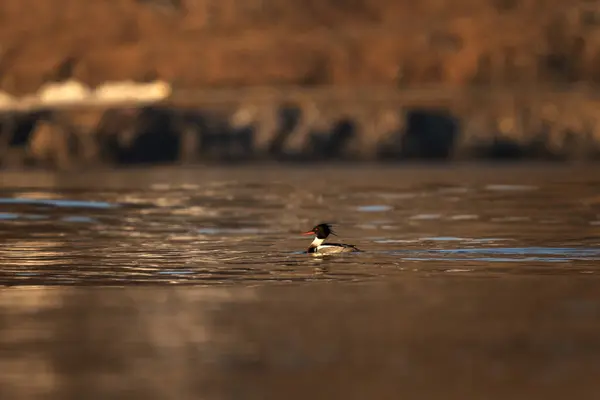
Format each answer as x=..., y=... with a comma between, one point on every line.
x=321, y=231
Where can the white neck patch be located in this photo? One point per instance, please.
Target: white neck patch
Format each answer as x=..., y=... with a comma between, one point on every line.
x=317, y=242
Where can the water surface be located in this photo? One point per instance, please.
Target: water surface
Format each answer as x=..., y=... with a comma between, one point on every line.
x=482, y=279
x=232, y=226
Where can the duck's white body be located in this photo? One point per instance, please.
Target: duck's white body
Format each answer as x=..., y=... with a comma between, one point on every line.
x=318, y=248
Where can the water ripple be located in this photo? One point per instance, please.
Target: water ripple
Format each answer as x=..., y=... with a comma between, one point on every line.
x=234, y=230
x=59, y=202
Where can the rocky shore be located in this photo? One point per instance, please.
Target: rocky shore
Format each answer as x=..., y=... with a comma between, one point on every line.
x=295, y=124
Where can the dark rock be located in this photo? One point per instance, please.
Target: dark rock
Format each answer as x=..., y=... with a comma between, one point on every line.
x=430, y=134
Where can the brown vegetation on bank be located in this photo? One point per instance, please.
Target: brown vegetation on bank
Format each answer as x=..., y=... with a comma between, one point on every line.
x=224, y=43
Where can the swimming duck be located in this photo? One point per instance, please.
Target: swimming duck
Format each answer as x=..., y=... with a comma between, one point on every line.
x=321, y=232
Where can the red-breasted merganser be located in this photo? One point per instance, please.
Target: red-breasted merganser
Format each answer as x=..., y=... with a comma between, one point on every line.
x=321, y=232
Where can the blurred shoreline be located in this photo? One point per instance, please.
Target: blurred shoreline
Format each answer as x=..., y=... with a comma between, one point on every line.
x=236, y=81
x=353, y=124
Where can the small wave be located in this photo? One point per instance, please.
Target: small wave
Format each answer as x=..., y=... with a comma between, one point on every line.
x=511, y=219
x=498, y=187
x=581, y=252
x=425, y=216
x=374, y=208
x=220, y=231
x=444, y=239
x=9, y=216
x=81, y=219
x=463, y=217
x=494, y=259
x=453, y=270
x=58, y=203
x=13, y=216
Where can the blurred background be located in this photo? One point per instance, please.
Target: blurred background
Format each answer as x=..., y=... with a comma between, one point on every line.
x=159, y=159
x=173, y=81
